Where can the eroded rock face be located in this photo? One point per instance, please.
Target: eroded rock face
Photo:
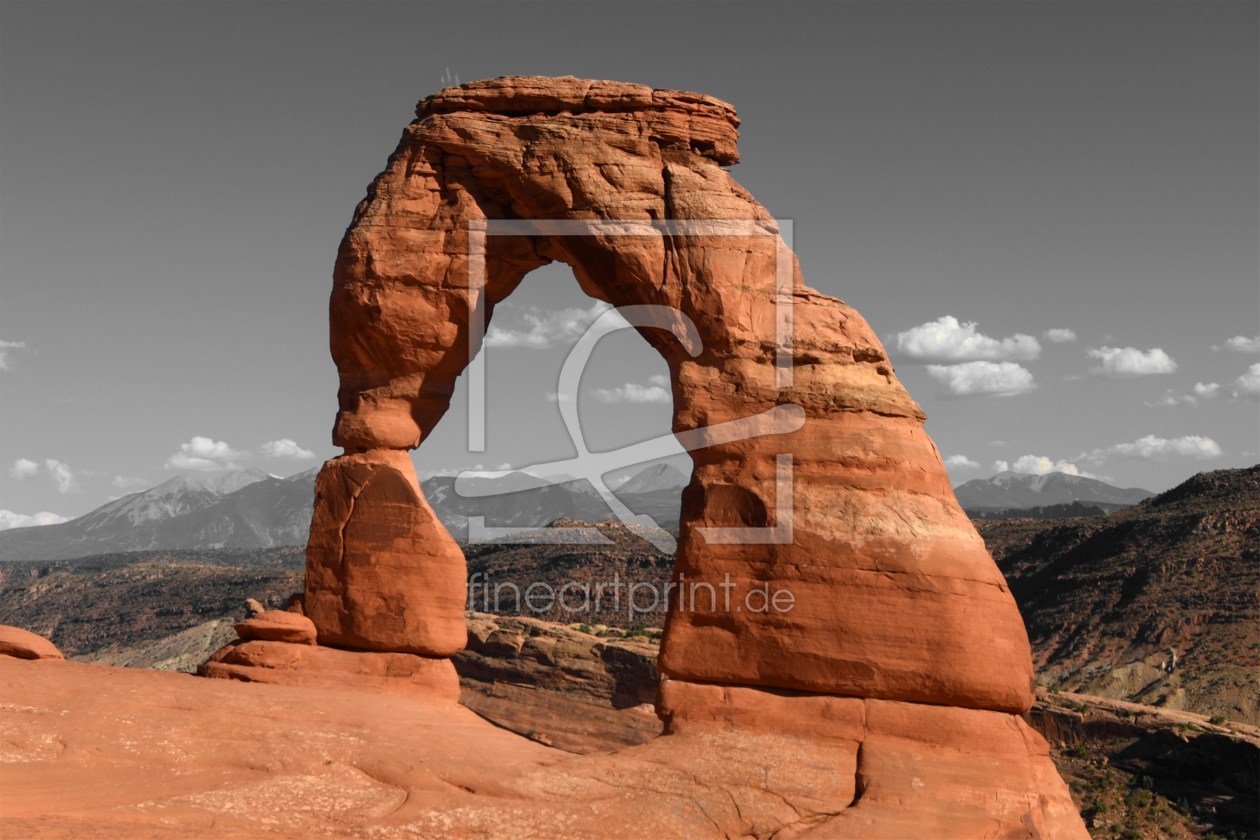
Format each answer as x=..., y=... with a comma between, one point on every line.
x=895, y=595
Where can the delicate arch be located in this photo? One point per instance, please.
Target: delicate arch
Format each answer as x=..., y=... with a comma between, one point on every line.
x=894, y=595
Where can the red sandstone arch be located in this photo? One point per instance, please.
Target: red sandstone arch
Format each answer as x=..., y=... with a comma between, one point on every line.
x=895, y=595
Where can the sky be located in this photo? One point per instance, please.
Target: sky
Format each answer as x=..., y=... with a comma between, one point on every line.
x=1048, y=211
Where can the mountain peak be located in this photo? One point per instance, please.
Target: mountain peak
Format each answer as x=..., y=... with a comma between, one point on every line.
x=1009, y=490
x=658, y=476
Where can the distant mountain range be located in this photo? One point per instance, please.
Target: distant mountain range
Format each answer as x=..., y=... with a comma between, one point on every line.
x=247, y=509
x=239, y=509
x=1012, y=491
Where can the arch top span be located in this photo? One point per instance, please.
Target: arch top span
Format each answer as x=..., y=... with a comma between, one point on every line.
x=893, y=594
x=704, y=124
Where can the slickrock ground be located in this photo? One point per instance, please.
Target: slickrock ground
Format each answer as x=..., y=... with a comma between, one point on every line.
x=93, y=751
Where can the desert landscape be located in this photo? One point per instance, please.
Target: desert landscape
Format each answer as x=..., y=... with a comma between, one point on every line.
x=625, y=529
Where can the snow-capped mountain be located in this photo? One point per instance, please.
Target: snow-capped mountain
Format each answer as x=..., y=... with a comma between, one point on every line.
x=251, y=509
x=1020, y=491
x=181, y=495
x=661, y=476
x=239, y=509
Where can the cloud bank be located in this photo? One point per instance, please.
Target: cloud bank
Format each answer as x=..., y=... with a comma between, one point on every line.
x=285, y=449
x=205, y=454
x=546, y=328
x=1003, y=379
x=6, y=346
x=948, y=340
x=655, y=391
x=58, y=472
x=9, y=519
x=1239, y=344
x=1130, y=361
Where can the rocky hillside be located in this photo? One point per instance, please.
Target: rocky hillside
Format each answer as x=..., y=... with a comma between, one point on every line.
x=499, y=571
x=1141, y=772
x=116, y=608
x=1155, y=604
x=580, y=688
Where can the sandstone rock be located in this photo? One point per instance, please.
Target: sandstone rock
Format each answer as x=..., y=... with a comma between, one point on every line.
x=23, y=644
x=552, y=657
x=284, y=663
x=254, y=607
x=565, y=721
x=381, y=572
x=278, y=626
x=222, y=758
x=894, y=594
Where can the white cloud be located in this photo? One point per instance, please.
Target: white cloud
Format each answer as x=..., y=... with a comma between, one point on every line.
x=971, y=378
x=546, y=328
x=9, y=519
x=1130, y=361
x=203, y=453
x=948, y=340
x=1202, y=391
x=961, y=462
x=123, y=482
x=6, y=346
x=1207, y=390
x=656, y=391
x=1172, y=398
x=1248, y=385
x=1041, y=465
x=1161, y=449
x=58, y=472
x=1059, y=335
x=62, y=476
x=286, y=449
x=1240, y=344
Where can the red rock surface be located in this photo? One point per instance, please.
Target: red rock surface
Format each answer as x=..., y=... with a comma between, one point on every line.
x=93, y=751
x=278, y=626
x=382, y=573
x=23, y=644
x=284, y=663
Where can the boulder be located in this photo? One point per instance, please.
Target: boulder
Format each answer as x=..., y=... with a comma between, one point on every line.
x=23, y=644
x=278, y=626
